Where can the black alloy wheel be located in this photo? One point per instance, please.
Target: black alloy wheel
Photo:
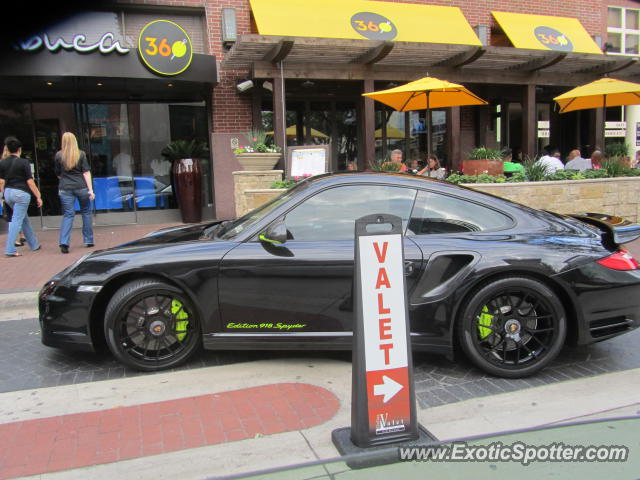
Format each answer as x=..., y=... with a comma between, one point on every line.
x=512, y=327
x=150, y=325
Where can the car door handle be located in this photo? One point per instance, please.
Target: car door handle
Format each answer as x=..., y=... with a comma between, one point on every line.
x=409, y=268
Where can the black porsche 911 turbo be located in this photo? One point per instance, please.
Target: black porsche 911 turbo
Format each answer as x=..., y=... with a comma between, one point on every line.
x=506, y=284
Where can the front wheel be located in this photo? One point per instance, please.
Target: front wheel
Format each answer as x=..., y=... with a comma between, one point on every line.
x=150, y=325
x=512, y=327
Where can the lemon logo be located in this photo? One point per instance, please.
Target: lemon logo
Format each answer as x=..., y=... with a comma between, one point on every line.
x=553, y=39
x=373, y=26
x=165, y=48
x=179, y=48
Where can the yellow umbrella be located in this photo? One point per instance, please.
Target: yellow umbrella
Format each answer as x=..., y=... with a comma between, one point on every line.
x=606, y=92
x=292, y=132
x=392, y=132
x=424, y=94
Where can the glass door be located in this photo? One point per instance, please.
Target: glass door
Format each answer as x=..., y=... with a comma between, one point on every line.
x=107, y=140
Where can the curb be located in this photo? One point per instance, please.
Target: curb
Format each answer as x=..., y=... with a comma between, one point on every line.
x=17, y=305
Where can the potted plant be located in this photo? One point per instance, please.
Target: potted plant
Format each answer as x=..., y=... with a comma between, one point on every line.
x=483, y=160
x=618, y=152
x=259, y=153
x=186, y=176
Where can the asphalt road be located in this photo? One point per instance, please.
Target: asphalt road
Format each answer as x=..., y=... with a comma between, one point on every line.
x=27, y=364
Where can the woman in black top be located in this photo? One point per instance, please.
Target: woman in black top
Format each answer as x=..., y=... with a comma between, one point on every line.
x=16, y=183
x=72, y=168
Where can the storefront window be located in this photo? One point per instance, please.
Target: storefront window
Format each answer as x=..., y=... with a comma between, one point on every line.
x=320, y=123
x=123, y=143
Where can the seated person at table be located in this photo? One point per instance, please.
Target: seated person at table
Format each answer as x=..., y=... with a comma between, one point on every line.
x=576, y=162
x=511, y=167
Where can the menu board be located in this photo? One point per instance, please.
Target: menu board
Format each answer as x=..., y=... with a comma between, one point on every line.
x=308, y=160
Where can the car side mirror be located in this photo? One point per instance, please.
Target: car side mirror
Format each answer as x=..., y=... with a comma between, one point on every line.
x=276, y=234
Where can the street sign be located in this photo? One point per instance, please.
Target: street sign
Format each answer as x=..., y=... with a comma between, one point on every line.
x=616, y=125
x=615, y=133
x=544, y=124
x=544, y=133
x=383, y=400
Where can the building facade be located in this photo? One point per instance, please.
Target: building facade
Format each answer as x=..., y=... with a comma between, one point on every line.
x=300, y=77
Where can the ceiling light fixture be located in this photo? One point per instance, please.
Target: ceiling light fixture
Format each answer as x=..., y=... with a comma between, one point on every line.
x=99, y=84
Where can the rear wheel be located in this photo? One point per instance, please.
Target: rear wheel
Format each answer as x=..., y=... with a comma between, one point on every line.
x=150, y=325
x=512, y=327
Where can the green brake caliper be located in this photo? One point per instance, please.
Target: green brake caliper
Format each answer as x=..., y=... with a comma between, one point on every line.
x=484, y=320
x=182, y=319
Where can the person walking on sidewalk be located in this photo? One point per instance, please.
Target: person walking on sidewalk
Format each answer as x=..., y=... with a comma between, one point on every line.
x=72, y=169
x=20, y=241
x=17, y=185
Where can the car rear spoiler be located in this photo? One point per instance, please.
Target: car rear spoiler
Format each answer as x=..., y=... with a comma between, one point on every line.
x=618, y=229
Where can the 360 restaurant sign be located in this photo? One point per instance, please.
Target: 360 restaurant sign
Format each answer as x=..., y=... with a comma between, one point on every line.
x=164, y=46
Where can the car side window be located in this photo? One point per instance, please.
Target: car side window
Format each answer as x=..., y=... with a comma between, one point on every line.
x=437, y=213
x=331, y=214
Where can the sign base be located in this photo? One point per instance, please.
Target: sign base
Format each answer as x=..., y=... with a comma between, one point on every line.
x=378, y=455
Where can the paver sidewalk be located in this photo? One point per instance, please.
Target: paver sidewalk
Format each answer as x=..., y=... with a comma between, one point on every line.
x=30, y=271
x=77, y=440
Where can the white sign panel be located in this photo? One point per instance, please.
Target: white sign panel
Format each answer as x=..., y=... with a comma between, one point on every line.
x=616, y=125
x=544, y=133
x=383, y=302
x=615, y=133
x=308, y=161
x=544, y=124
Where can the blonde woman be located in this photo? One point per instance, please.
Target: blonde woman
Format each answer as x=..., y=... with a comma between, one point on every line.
x=72, y=169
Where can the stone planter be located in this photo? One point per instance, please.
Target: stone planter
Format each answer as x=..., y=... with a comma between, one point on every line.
x=258, y=161
x=478, y=167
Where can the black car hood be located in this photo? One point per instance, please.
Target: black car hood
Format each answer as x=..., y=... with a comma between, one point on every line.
x=181, y=233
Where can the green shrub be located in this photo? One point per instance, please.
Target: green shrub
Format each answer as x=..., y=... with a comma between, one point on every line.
x=283, y=184
x=517, y=177
x=616, y=150
x=614, y=168
x=533, y=170
x=481, y=153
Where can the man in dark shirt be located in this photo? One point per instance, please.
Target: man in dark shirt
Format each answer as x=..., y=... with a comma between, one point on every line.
x=16, y=184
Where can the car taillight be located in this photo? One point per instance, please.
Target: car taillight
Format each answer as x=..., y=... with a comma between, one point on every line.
x=621, y=260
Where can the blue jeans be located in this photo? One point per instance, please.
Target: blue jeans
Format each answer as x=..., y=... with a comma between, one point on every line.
x=19, y=201
x=68, y=200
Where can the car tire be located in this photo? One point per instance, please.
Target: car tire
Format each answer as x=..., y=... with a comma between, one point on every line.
x=512, y=327
x=151, y=325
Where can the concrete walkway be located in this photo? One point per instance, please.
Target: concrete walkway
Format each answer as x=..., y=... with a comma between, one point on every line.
x=169, y=405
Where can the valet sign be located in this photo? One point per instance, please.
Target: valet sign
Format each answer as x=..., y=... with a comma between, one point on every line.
x=165, y=47
x=383, y=334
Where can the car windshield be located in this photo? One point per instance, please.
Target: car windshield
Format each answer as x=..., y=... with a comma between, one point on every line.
x=233, y=228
